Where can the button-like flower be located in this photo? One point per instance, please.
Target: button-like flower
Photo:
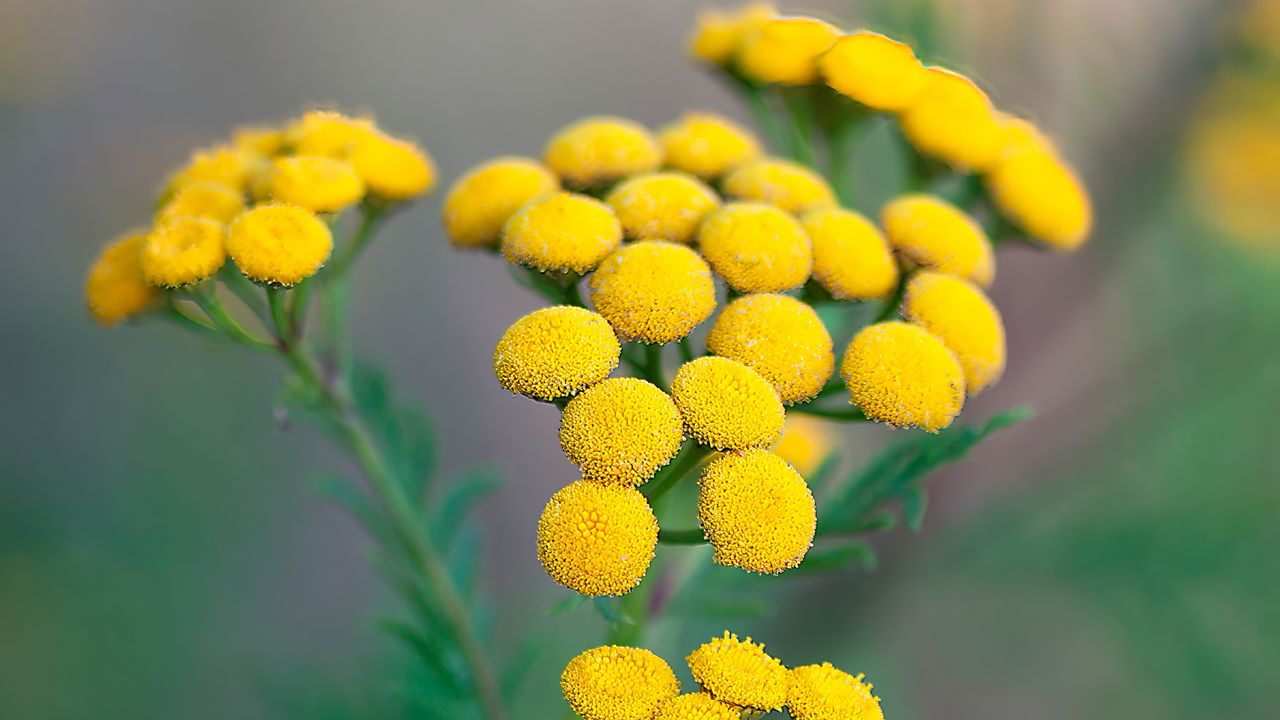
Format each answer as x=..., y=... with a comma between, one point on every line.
x=707, y=145
x=315, y=182
x=618, y=683
x=696, y=706
x=563, y=232
x=719, y=33
x=935, y=234
x=279, y=244
x=327, y=133
x=726, y=404
x=786, y=184
x=779, y=337
x=756, y=248
x=903, y=375
x=964, y=319
x=823, y=692
x=786, y=50
x=757, y=512
x=212, y=201
x=115, y=289
x=740, y=673
x=621, y=431
x=482, y=201
x=875, y=70
x=805, y=443
x=1035, y=188
x=391, y=168
x=597, y=539
x=654, y=292
x=952, y=119
x=851, y=258
x=662, y=206
x=183, y=251
x=555, y=352
x=598, y=150
x=222, y=164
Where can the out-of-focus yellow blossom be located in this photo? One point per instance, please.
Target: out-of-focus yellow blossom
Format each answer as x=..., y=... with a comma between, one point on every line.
x=562, y=232
x=1259, y=25
x=953, y=120
x=482, y=201
x=779, y=337
x=601, y=149
x=115, y=288
x=1233, y=159
x=756, y=247
x=259, y=139
x=707, y=145
x=654, y=292
x=785, y=50
x=315, y=182
x=597, y=539
x=662, y=206
x=786, y=184
x=719, y=33
x=875, y=70
x=183, y=251
x=392, y=168
x=964, y=319
x=618, y=683
x=279, y=244
x=851, y=258
x=621, y=431
x=555, y=352
x=222, y=164
x=696, y=706
x=903, y=375
x=1042, y=194
x=936, y=235
x=327, y=133
x=823, y=692
x=212, y=201
x=805, y=443
x=757, y=512
x=740, y=673
x=726, y=404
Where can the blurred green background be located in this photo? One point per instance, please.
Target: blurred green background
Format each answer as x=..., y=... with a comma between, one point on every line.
x=162, y=553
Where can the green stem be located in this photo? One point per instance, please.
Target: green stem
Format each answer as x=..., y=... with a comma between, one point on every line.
x=800, y=121
x=653, y=365
x=244, y=289
x=849, y=414
x=686, y=349
x=217, y=312
x=691, y=536
x=773, y=129
x=370, y=217
x=688, y=458
x=298, y=309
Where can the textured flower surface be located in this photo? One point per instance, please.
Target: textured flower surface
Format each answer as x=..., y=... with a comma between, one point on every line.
x=222, y=164
x=696, y=706
x=563, y=232
x=785, y=50
x=851, y=258
x=952, y=119
x=707, y=145
x=621, y=431
x=904, y=376
x=555, y=352
x=209, y=200
x=316, y=183
x=662, y=206
x=481, y=202
x=757, y=512
x=875, y=70
x=597, y=539
x=392, y=168
x=1042, y=194
x=935, y=234
x=601, y=149
x=779, y=337
x=279, y=244
x=115, y=289
x=756, y=248
x=726, y=404
x=739, y=672
x=823, y=692
x=786, y=184
x=654, y=292
x=183, y=251
x=618, y=683
x=966, y=321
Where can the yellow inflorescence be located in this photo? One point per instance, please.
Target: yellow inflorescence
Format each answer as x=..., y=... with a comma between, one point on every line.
x=222, y=164
x=756, y=248
x=563, y=232
x=875, y=70
x=740, y=673
x=786, y=184
x=757, y=512
x=904, y=376
x=279, y=244
x=482, y=201
x=785, y=50
x=953, y=120
x=621, y=431
x=653, y=292
x=719, y=34
x=805, y=443
x=851, y=258
x=779, y=337
x=261, y=140
x=726, y=404
x=936, y=235
x=315, y=182
x=115, y=288
x=707, y=145
x=599, y=150
x=391, y=168
x=1035, y=188
x=213, y=201
x=964, y=319
x=823, y=692
x=618, y=683
x=597, y=539
x=183, y=251
x=326, y=133
x=696, y=706
x=662, y=206
x=555, y=352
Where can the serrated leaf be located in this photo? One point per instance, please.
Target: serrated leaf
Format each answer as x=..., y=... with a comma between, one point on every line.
x=462, y=561
x=431, y=654
x=569, y=603
x=359, y=506
x=458, y=501
x=840, y=557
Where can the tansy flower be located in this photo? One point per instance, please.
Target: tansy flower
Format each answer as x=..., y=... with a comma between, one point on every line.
x=805, y=443
x=786, y=50
x=696, y=706
x=779, y=337
x=597, y=539
x=327, y=133
x=953, y=119
x=654, y=292
x=935, y=234
x=903, y=375
x=621, y=431
x=316, y=183
x=964, y=319
x=757, y=512
x=391, y=168
x=116, y=289
x=212, y=201
x=222, y=164
x=756, y=248
x=739, y=673
x=822, y=692
x=875, y=70
x=719, y=33
x=618, y=683
x=707, y=145
x=726, y=404
x=482, y=201
x=786, y=184
x=259, y=139
x=598, y=150
x=562, y=232
x=662, y=206
x=279, y=244
x=183, y=251
x=1042, y=194
x=851, y=258
x=555, y=352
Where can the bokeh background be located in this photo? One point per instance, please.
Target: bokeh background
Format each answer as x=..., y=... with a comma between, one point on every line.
x=162, y=552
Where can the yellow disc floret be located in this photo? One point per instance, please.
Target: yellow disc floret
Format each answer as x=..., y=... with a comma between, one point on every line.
x=598, y=150
x=875, y=70
x=662, y=206
x=563, y=232
x=757, y=512
x=482, y=201
x=823, y=692
x=212, y=201
x=621, y=431
x=618, y=683
x=183, y=251
x=327, y=133
x=779, y=337
x=805, y=443
x=116, y=289
x=654, y=292
x=719, y=34
x=707, y=145
x=391, y=168
x=953, y=120
x=756, y=248
x=966, y=321
x=696, y=706
x=786, y=184
x=903, y=375
x=222, y=164
x=279, y=244
x=1042, y=194
x=851, y=258
x=555, y=352
x=258, y=139
x=597, y=539
x=936, y=235
x=316, y=183
x=726, y=404
x=786, y=50
x=739, y=673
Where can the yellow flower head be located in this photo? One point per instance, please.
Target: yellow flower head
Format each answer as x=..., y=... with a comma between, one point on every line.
x=316, y=183
x=392, y=168
x=555, y=352
x=936, y=235
x=696, y=706
x=621, y=431
x=618, y=683
x=654, y=292
x=482, y=201
x=822, y=692
x=719, y=33
x=279, y=244
x=903, y=375
x=756, y=511
x=561, y=232
x=786, y=50
x=327, y=133
x=183, y=251
x=964, y=319
x=212, y=201
x=779, y=337
x=756, y=248
x=1042, y=194
x=707, y=145
x=116, y=289
x=786, y=184
x=597, y=539
x=851, y=258
x=662, y=206
x=739, y=673
x=598, y=150
x=953, y=120
x=726, y=404
x=259, y=139
x=805, y=443
x=875, y=70
x=222, y=164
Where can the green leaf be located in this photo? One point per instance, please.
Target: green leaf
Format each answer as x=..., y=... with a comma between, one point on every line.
x=340, y=490
x=610, y=608
x=524, y=660
x=569, y=603
x=431, y=653
x=459, y=500
x=914, y=502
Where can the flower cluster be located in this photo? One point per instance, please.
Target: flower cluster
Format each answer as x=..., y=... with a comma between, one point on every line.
x=734, y=676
